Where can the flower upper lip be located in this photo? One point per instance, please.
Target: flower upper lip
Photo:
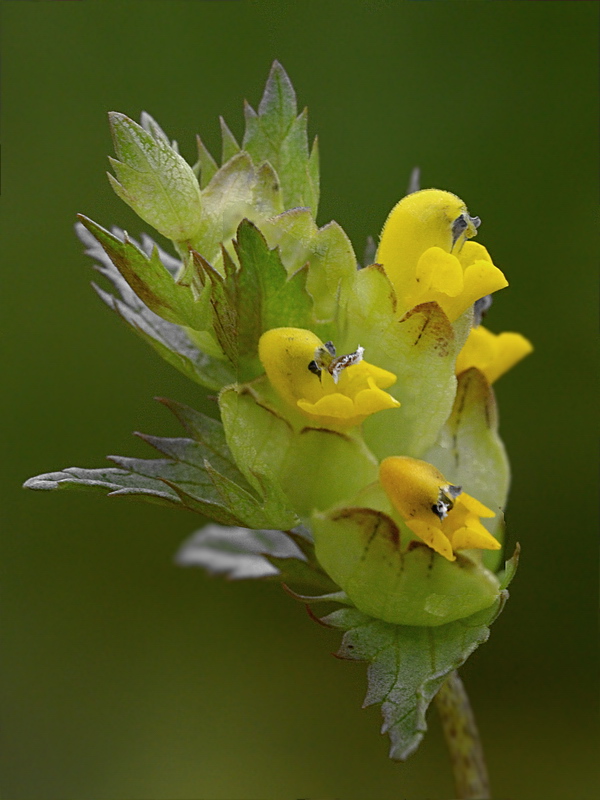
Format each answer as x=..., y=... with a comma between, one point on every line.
x=427, y=251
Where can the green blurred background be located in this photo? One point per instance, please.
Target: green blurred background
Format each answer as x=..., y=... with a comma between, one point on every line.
x=125, y=676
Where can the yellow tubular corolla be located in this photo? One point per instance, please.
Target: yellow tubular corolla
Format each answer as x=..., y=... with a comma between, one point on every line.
x=492, y=354
x=415, y=488
x=428, y=258
x=286, y=353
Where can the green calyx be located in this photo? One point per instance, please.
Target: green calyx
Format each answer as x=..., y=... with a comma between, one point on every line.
x=392, y=577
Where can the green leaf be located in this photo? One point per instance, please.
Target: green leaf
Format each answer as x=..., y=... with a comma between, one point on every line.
x=266, y=297
x=469, y=452
x=230, y=147
x=277, y=134
x=510, y=568
x=111, y=481
x=408, y=665
x=151, y=281
x=198, y=474
x=151, y=126
x=332, y=265
x=153, y=178
x=170, y=341
x=241, y=553
x=254, y=298
x=237, y=553
x=205, y=167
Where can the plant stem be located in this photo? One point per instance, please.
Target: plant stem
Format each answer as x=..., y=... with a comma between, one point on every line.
x=462, y=738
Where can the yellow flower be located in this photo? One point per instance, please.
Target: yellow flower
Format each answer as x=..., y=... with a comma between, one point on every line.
x=493, y=354
x=426, y=255
x=336, y=392
x=442, y=515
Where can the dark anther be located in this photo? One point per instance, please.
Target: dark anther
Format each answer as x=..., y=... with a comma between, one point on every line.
x=459, y=226
x=440, y=510
x=445, y=502
x=330, y=348
x=480, y=309
x=475, y=221
x=315, y=369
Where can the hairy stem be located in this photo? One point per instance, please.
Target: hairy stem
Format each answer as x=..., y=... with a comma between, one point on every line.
x=462, y=738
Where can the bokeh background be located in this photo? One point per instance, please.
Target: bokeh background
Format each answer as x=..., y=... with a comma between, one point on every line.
x=125, y=676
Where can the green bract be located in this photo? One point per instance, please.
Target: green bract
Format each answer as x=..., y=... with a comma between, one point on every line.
x=291, y=470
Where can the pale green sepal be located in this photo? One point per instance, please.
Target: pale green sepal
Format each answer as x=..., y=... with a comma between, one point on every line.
x=268, y=200
x=394, y=579
x=154, y=179
x=332, y=265
x=230, y=147
x=420, y=349
x=316, y=468
x=149, y=279
x=206, y=166
x=331, y=272
x=253, y=298
x=277, y=134
x=151, y=126
x=237, y=191
x=506, y=575
x=408, y=664
x=257, y=436
x=226, y=200
x=469, y=452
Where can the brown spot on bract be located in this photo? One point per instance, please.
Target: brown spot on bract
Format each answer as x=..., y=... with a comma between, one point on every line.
x=414, y=545
x=308, y=429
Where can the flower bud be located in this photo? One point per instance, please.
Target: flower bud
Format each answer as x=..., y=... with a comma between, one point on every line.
x=158, y=184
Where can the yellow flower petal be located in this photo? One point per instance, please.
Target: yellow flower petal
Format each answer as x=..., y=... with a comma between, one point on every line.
x=440, y=272
x=433, y=537
x=373, y=399
x=471, y=252
x=480, y=278
x=474, y=537
x=474, y=506
x=492, y=354
x=333, y=406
